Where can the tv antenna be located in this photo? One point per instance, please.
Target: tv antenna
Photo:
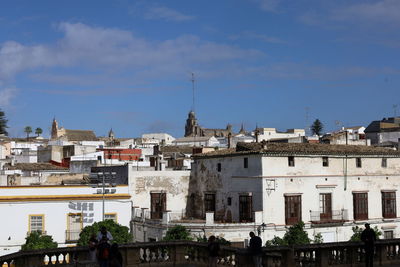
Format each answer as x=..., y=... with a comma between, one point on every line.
x=395, y=110
x=193, y=80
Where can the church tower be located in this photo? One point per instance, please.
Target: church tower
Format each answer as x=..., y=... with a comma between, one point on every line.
x=54, y=129
x=191, y=127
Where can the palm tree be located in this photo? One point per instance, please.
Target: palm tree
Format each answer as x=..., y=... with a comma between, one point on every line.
x=38, y=131
x=316, y=127
x=28, y=130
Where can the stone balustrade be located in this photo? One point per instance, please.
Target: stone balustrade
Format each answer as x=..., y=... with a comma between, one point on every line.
x=188, y=253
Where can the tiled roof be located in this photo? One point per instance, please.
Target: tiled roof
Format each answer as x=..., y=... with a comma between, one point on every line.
x=80, y=135
x=300, y=149
x=177, y=149
x=35, y=167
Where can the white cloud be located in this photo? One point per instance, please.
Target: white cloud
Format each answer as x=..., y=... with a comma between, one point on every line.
x=6, y=95
x=257, y=36
x=269, y=5
x=115, y=52
x=382, y=11
x=165, y=13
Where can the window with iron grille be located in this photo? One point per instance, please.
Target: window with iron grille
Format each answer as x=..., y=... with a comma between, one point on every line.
x=36, y=223
x=292, y=209
x=110, y=216
x=209, y=202
x=388, y=235
x=389, y=204
x=360, y=206
x=325, y=161
x=291, y=161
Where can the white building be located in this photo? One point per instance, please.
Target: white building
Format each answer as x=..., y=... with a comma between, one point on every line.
x=162, y=138
x=266, y=134
x=268, y=187
x=205, y=141
x=59, y=211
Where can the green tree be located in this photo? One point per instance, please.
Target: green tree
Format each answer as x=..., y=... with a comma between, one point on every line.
x=220, y=240
x=295, y=235
x=38, y=131
x=35, y=240
x=178, y=232
x=317, y=127
x=120, y=233
x=27, y=130
x=3, y=123
x=358, y=230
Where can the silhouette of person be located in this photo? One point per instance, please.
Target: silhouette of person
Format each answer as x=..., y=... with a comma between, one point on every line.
x=368, y=236
x=213, y=251
x=255, y=249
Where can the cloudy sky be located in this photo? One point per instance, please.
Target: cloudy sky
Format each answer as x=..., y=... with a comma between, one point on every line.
x=128, y=64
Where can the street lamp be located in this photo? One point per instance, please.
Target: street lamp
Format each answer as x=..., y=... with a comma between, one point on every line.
x=109, y=176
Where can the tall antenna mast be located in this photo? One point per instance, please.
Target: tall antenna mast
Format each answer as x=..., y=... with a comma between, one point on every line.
x=193, y=80
x=307, y=122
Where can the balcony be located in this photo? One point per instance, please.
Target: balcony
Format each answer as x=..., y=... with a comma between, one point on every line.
x=72, y=236
x=189, y=253
x=318, y=218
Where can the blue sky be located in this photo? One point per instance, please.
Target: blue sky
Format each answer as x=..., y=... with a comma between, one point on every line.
x=127, y=64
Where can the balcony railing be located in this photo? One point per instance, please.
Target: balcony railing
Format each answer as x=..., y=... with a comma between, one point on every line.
x=72, y=236
x=335, y=216
x=188, y=253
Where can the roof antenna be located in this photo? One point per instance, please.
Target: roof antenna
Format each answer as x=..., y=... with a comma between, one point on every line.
x=395, y=110
x=193, y=80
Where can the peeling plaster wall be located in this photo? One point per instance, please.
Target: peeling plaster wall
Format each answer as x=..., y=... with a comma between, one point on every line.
x=174, y=183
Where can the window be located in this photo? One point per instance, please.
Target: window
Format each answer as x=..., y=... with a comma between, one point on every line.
x=291, y=161
x=358, y=162
x=388, y=235
x=219, y=167
x=292, y=209
x=209, y=202
x=384, y=163
x=110, y=216
x=74, y=227
x=360, y=206
x=229, y=201
x=36, y=223
x=245, y=163
x=325, y=206
x=389, y=204
x=245, y=208
x=158, y=205
x=325, y=161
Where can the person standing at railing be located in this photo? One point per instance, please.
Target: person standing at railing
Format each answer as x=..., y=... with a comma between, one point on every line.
x=368, y=236
x=92, y=247
x=213, y=251
x=255, y=249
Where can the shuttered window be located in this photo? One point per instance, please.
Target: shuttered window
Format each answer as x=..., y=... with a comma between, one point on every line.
x=292, y=209
x=389, y=204
x=360, y=206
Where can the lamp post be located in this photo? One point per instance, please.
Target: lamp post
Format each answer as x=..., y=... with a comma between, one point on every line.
x=102, y=176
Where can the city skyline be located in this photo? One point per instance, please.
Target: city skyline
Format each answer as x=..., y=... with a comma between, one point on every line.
x=127, y=65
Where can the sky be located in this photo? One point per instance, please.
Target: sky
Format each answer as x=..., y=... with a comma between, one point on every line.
x=127, y=65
